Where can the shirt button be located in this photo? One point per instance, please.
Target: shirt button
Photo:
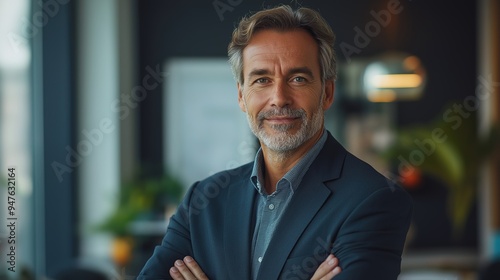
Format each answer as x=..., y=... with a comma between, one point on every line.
x=260, y=259
x=271, y=206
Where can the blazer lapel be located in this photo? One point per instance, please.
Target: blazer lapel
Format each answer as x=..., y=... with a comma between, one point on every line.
x=306, y=202
x=238, y=231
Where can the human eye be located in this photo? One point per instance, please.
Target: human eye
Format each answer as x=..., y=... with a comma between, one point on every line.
x=299, y=79
x=261, y=81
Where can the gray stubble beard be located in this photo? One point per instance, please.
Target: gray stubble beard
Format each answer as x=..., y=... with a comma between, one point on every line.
x=285, y=142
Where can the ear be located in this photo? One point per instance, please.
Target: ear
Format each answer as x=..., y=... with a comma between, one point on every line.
x=328, y=94
x=241, y=102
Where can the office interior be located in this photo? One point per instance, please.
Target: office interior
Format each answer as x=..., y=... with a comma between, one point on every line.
x=111, y=109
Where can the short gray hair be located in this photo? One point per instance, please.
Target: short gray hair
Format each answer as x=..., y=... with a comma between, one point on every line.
x=284, y=18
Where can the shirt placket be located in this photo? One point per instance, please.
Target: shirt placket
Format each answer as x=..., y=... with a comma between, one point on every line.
x=269, y=218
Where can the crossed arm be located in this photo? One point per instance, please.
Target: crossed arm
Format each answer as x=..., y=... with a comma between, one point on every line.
x=369, y=243
x=188, y=269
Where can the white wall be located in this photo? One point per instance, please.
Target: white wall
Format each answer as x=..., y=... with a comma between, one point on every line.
x=205, y=131
x=97, y=89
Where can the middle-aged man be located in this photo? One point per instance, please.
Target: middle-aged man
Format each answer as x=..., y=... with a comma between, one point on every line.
x=305, y=207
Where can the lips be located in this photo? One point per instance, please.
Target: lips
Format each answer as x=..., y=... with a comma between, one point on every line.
x=281, y=116
x=281, y=119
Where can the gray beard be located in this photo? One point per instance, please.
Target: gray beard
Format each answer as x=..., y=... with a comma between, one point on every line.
x=284, y=142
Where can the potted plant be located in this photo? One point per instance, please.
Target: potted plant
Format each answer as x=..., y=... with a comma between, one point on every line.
x=451, y=149
x=140, y=199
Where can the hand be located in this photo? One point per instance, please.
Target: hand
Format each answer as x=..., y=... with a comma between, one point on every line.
x=327, y=269
x=188, y=269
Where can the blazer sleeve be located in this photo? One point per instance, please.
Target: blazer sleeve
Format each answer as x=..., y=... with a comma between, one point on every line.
x=176, y=244
x=371, y=240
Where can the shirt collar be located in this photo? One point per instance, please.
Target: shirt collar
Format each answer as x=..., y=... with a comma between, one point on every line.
x=293, y=176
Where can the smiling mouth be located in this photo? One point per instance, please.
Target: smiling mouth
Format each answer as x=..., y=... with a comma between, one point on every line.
x=282, y=119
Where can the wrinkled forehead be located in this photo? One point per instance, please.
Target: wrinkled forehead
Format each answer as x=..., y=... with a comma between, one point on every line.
x=289, y=49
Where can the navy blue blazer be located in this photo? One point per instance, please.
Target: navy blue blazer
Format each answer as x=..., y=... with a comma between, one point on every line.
x=343, y=206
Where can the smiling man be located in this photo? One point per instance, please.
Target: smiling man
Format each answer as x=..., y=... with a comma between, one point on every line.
x=305, y=208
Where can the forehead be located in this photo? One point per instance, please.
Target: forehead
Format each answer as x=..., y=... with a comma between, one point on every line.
x=270, y=48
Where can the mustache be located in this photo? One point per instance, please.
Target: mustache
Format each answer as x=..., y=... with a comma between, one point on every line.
x=282, y=112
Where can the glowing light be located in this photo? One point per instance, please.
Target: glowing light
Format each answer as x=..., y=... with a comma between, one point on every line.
x=396, y=81
x=394, y=77
x=386, y=95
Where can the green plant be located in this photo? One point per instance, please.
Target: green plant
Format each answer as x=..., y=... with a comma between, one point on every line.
x=142, y=200
x=452, y=151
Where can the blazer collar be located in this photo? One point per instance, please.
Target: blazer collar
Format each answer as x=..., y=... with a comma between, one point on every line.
x=313, y=193
x=328, y=165
x=240, y=215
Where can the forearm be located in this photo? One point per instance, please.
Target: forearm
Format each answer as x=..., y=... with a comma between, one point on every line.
x=175, y=245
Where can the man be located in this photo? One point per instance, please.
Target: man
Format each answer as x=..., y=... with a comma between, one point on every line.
x=305, y=207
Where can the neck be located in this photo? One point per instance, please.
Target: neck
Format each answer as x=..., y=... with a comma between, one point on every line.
x=277, y=164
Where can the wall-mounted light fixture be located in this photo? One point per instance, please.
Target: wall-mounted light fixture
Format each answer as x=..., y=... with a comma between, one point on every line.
x=368, y=88
x=394, y=77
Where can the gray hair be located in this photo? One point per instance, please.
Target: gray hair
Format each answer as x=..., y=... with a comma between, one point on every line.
x=284, y=18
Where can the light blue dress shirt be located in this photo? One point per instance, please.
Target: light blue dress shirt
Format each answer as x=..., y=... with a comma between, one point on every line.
x=270, y=207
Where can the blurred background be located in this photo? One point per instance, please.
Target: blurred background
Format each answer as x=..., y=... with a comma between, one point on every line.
x=110, y=109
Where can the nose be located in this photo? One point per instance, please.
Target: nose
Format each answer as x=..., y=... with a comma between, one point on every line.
x=280, y=95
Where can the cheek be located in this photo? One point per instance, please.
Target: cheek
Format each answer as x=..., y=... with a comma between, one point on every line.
x=310, y=101
x=254, y=102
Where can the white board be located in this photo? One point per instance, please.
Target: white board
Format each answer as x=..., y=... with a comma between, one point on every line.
x=205, y=131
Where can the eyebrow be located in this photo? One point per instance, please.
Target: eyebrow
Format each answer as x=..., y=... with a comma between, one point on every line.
x=258, y=72
x=297, y=70
x=304, y=70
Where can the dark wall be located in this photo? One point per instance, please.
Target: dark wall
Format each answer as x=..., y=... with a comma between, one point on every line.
x=441, y=33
